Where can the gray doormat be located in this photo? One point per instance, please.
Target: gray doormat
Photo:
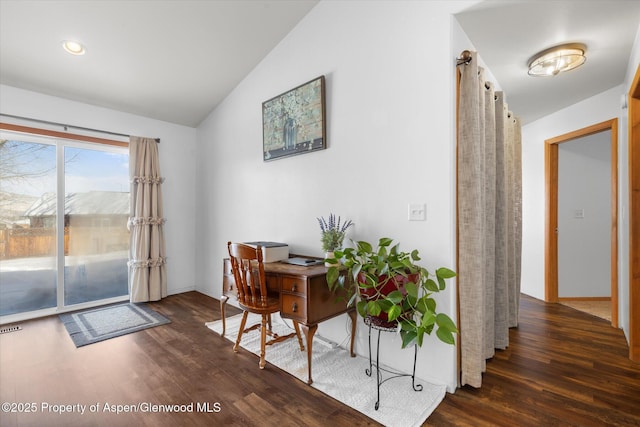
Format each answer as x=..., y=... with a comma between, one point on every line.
x=102, y=323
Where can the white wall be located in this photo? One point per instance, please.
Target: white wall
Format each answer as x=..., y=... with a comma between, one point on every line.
x=390, y=89
x=634, y=61
x=177, y=157
x=599, y=108
x=584, y=216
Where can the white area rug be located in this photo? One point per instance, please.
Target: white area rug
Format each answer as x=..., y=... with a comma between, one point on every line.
x=343, y=377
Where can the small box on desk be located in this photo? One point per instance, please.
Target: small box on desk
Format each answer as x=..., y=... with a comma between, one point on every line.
x=272, y=251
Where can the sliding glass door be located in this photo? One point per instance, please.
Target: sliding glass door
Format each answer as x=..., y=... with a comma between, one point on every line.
x=28, y=249
x=63, y=224
x=96, y=206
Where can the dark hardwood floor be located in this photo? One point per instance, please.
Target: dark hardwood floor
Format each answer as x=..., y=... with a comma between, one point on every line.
x=563, y=367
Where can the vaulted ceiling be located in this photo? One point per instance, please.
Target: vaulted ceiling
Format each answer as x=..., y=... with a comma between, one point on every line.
x=168, y=60
x=176, y=60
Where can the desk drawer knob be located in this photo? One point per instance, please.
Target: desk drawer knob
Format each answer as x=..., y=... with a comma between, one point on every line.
x=294, y=307
x=294, y=287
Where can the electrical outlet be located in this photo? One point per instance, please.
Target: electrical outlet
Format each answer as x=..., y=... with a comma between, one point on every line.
x=417, y=212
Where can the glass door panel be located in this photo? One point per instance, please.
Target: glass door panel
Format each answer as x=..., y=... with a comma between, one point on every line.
x=95, y=223
x=27, y=226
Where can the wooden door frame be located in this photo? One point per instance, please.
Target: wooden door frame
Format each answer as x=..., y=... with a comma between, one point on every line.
x=634, y=219
x=551, y=207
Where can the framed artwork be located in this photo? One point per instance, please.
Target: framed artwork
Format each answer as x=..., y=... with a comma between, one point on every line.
x=294, y=122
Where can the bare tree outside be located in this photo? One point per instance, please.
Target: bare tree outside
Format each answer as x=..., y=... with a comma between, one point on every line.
x=19, y=161
x=20, y=164
x=94, y=237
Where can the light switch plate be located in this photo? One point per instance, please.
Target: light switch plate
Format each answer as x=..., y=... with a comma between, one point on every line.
x=417, y=212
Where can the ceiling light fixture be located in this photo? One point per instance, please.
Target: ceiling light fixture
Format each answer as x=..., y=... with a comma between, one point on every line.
x=73, y=47
x=556, y=60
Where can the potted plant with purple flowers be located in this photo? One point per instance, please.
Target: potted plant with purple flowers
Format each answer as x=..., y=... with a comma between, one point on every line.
x=332, y=234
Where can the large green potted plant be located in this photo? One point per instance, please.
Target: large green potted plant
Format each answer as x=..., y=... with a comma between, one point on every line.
x=388, y=285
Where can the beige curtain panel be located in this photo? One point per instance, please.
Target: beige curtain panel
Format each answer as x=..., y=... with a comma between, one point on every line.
x=147, y=269
x=489, y=221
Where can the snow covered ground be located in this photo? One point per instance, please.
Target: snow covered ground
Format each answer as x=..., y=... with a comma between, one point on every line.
x=28, y=284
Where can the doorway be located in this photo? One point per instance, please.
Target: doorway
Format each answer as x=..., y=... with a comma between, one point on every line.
x=552, y=155
x=64, y=242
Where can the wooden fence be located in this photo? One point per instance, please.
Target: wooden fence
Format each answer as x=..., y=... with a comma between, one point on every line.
x=27, y=242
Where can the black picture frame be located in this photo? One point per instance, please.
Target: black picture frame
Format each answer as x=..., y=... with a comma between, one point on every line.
x=294, y=121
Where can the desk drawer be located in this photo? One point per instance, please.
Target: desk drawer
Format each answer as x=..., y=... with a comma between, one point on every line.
x=295, y=285
x=293, y=306
x=228, y=281
x=226, y=266
x=229, y=284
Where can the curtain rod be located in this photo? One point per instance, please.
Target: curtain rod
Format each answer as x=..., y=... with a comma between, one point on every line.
x=66, y=127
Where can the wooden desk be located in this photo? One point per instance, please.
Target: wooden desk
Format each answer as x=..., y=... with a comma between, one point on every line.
x=304, y=297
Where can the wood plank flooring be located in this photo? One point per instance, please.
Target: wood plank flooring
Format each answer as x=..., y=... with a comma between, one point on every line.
x=600, y=309
x=562, y=368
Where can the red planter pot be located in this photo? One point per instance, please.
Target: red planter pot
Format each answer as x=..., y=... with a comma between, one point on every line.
x=396, y=283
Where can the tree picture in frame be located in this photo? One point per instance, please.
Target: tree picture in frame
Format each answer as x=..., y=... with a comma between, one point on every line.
x=294, y=122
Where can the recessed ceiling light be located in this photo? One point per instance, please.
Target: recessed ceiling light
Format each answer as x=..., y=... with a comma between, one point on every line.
x=73, y=47
x=556, y=60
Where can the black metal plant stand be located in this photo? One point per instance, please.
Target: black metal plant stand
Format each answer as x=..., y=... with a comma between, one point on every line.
x=382, y=326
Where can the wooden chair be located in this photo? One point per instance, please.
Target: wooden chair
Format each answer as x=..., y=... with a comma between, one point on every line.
x=248, y=272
